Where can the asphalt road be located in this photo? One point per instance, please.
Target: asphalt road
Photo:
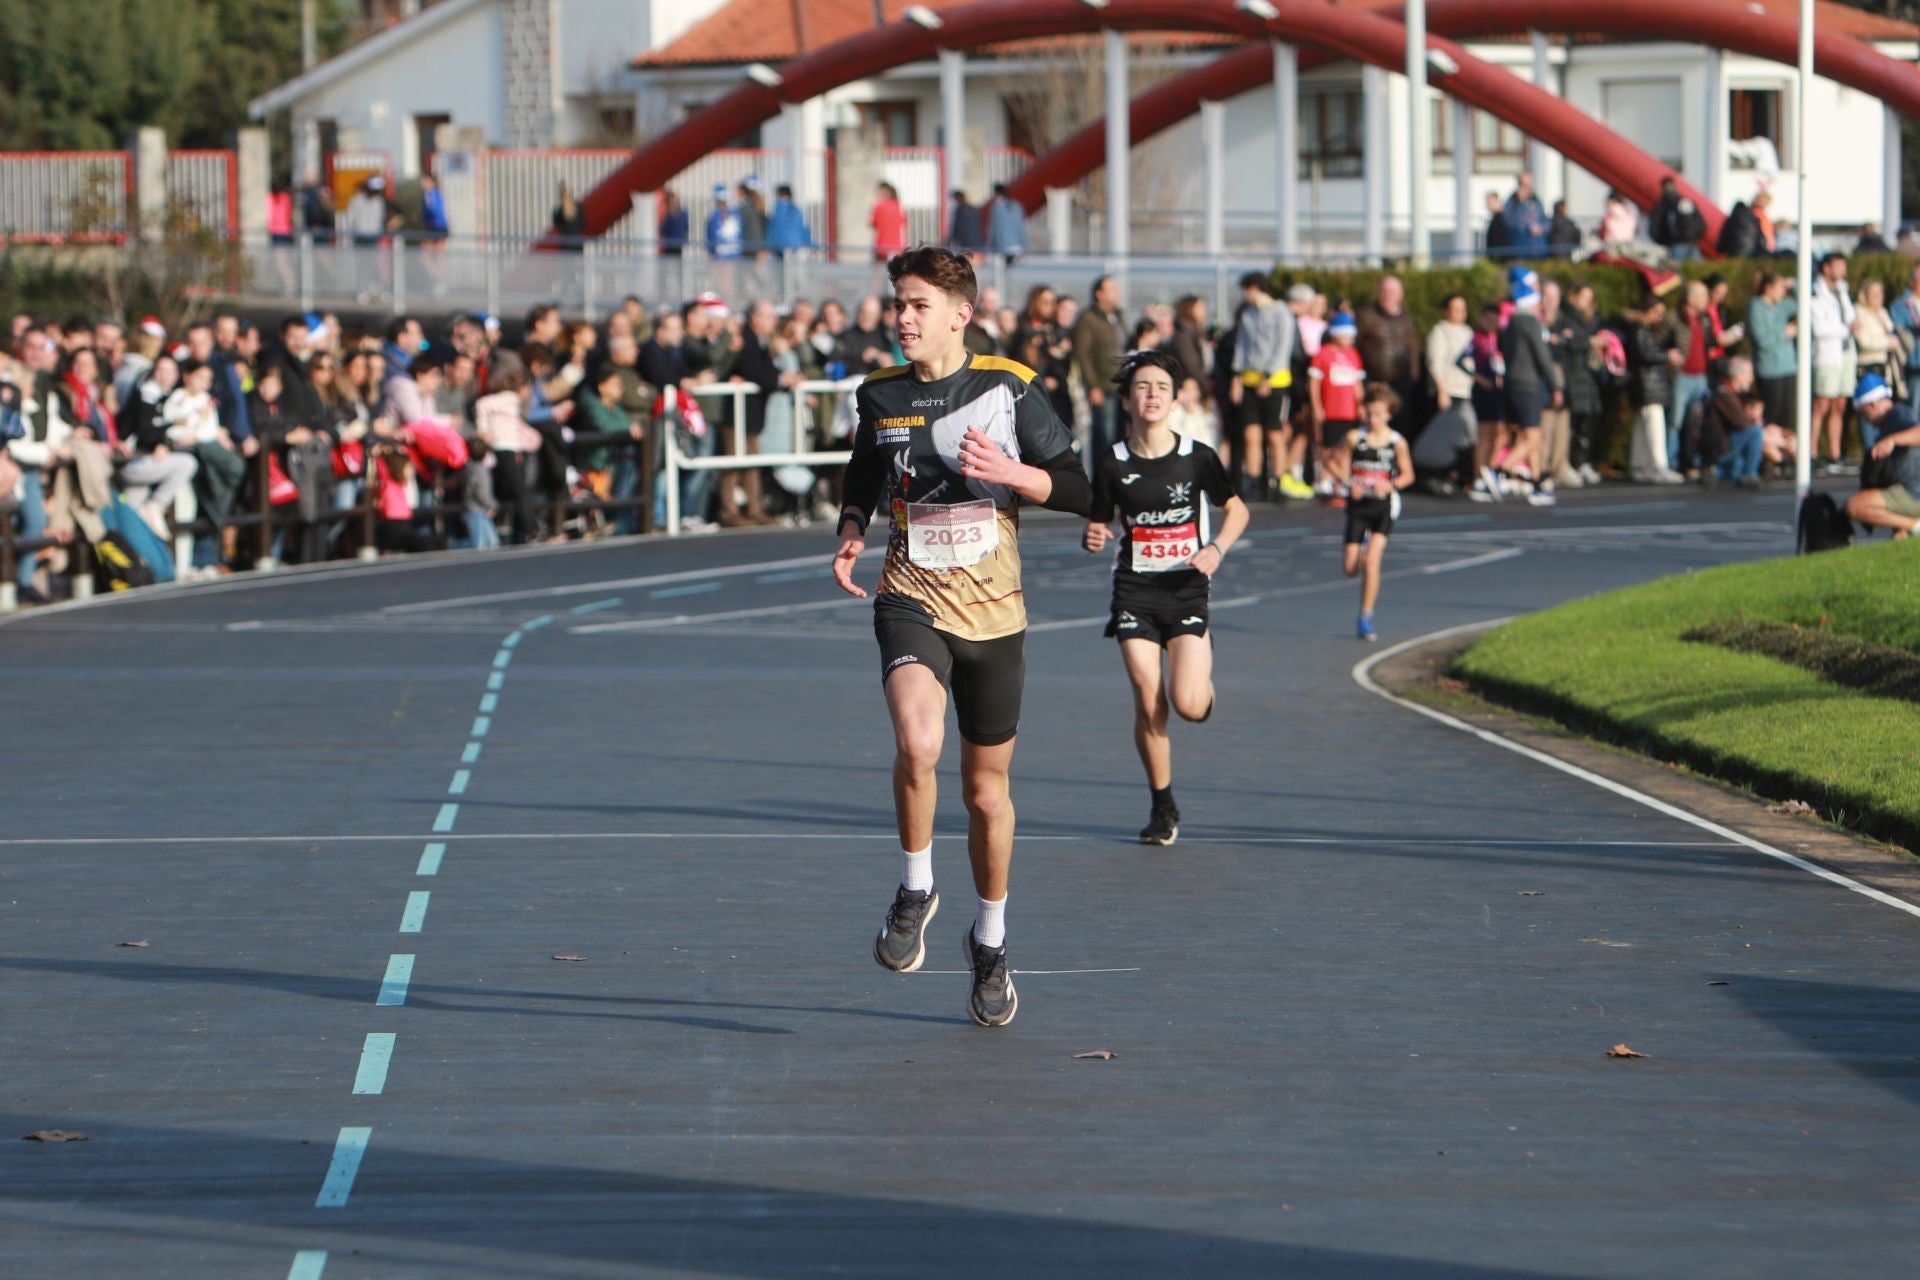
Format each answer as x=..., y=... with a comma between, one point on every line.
x=1360, y=1012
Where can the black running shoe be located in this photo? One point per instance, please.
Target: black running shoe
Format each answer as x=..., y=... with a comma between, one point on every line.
x=902, y=943
x=1162, y=827
x=992, y=1002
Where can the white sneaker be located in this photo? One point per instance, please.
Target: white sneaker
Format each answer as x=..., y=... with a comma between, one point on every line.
x=1490, y=479
x=1479, y=492
x=1541, y=498
x=1568, y=479
x=1668, y=476
x=1588, y=476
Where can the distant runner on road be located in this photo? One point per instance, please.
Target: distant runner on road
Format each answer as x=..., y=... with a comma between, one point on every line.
x=1167, y=491
x=953, y=443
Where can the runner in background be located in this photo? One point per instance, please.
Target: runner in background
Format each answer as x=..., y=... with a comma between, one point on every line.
x=1335, y=378
x=1167, y=491
x=1374, y=465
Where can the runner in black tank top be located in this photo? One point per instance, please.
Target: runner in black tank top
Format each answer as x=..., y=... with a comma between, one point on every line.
x=1178, y=516
x=1373, y=465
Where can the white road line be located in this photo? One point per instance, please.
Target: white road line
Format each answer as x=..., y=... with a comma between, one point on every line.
x=694, y=619
x=818, y=559
x=1313, y=588
x=1363, y=676
x=1099, y=837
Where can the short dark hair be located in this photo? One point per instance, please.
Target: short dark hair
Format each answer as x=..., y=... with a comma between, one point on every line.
x=538, y=313
x=1448, y=301
x=944, y=269
x=1256, y=280
x=1153, y=358
x=1381, y=393
x=1099, y=283
x=1825, y=258
x=287, y=322
x=537, y=353
x=397, y=326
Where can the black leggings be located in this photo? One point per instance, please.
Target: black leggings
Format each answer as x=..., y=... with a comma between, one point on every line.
x=1776, y=396
x=514, y=488
x=985, y=677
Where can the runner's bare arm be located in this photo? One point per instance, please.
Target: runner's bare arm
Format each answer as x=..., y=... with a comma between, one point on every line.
x=1402, y=465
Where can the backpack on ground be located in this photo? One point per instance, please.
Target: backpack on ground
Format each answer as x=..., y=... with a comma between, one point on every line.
x=147, y=546
x=117, y=566
x=1823, y=525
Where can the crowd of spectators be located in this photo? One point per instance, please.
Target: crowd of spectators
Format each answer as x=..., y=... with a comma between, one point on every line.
x=461, y=438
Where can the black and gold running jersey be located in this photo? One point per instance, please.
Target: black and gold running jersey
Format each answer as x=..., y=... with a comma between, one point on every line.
x=1167, y=506
x=953, y=555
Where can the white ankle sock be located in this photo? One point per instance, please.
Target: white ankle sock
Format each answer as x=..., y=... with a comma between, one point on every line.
x=990, y=923
x=916, y=869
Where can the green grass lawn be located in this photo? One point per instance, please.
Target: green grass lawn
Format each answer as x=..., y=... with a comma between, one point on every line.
x=1614, y=666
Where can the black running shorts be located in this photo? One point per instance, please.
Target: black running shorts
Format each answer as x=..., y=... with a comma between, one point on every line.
x=1158, y=625
x=1369, y=515
x=1333, y=432
x=1268, y=412
x=984, y=677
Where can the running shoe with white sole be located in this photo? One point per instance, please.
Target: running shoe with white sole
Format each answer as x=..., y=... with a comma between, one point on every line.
x=902, y=943
x=1163, y=827
x=992, y=1002
x=1495, y=486
x=1363, y=629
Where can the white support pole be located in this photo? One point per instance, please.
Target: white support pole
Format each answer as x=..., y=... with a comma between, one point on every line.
x=794, y=116
x=1119, y=148
x=1803, y=269
x=1286, y=149
x=1213, y=141
x=953, y=118
x=1714, y=122
x=1419, y=143
x=1891, y=211
x=1373, y=163
x=1060, y=220
x=1538, y=157
x=1464, y=214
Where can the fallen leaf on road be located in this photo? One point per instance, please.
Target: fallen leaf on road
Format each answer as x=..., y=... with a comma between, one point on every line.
x=569, y=957
x=1102, y=1054
x=1532, y=893
x=1719, y=982
x=55, y=1135
x=141, y=942
x=1621, y=1051
x=1790, y=806
x=1606, y=942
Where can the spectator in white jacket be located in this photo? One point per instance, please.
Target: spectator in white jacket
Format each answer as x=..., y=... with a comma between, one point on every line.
x=1831, y=313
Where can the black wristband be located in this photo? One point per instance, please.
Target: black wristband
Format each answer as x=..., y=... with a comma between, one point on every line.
x=854, y=516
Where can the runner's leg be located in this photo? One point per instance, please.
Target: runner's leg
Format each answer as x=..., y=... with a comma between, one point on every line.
x=1142, y=659
x=1370, y=584
x=989, y=799
x=1190, y=663
x=918, y=706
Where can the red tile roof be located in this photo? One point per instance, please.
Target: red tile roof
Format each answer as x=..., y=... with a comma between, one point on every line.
x=775, y=30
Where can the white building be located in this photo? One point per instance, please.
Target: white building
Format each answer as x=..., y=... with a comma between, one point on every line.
x=556, y=73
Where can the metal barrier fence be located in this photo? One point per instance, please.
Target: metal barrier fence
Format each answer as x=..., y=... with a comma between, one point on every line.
x=677, y=462
x=500, y=276
x=208, y=182
x=65, y=195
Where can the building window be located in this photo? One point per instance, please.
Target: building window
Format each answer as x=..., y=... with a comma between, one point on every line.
x=1498, y=147
x=424, y=130
x=901, y=120
x=1756, y=133
x=1332, y=128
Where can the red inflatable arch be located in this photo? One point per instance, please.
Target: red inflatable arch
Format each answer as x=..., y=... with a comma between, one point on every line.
x=1363, y=36
x=1728, y=24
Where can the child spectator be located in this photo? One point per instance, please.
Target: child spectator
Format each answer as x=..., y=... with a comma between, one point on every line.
x=477, y=504
x=1335, y=377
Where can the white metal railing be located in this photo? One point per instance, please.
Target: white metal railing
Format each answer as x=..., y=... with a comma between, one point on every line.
x=738, y=392
x=208, y=183
x=61, y=195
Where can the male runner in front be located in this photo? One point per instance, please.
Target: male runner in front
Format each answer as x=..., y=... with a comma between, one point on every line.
x=942, y=439
x=1166, y=490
